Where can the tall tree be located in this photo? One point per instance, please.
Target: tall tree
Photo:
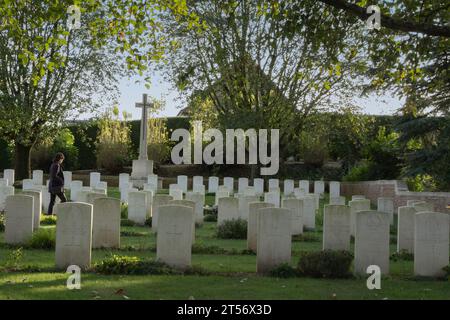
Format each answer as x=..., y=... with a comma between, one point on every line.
x=262, y=68
x=49, y=70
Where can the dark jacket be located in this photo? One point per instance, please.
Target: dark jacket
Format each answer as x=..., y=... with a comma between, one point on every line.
x=56, y=183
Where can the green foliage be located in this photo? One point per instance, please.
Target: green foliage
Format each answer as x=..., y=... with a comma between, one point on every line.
x=115, y=264
x=48, y=220
x=148, y=221
x=402, y=255
x=123, y=211
x=2, y=221
x=232, y=229
x=43, y=239
x=14, y=259
x=130, y=233
x=447, y=271
x=113, y=142
x=210, y=218
x=126, y=223
x=307, y=237
x=42, y=154
x=325, y=264
x=313, y=149
x=6, y=154
x=284, y=270
x=359, y=172
x=421, y=183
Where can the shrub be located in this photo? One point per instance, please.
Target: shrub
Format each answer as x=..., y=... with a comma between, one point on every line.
x=402, y=255
x=48, y=220
x=325, y=264
x=359, y=172
x=123, y=211
x=112, y=157
x=313, y=149
x=127, y=233
x=284, y=270
x=148, y=221
x=131, y=265
x=2, y=221
x=232, y=229
x=43, y=239
x=306, y=237
x=210, y=218
x=447, y=271
x=126, y=223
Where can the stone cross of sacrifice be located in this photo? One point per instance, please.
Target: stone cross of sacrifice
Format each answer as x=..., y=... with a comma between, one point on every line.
x=145, y=105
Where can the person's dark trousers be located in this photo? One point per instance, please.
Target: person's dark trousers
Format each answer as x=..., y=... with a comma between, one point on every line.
x=52, y=201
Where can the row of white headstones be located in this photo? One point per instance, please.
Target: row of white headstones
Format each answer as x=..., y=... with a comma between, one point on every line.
x=94, y=222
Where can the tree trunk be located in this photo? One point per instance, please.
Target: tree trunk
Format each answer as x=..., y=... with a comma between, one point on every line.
x=22, y=161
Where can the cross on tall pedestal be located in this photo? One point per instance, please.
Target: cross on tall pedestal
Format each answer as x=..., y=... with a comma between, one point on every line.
x=144, y=122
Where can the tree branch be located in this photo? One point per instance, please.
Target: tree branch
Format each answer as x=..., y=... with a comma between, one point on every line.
x=390, y=22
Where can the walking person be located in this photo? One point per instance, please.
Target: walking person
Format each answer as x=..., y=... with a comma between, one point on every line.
x=56, y=183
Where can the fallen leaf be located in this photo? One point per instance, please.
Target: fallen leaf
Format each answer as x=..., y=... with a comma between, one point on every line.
x=126, y=298
x=120, y=292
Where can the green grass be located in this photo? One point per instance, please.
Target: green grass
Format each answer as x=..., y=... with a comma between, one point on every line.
x=233, y=276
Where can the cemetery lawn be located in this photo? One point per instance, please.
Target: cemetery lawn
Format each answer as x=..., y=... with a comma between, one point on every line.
x=232, y=274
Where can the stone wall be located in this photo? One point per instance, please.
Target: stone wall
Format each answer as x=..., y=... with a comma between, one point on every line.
x=396, y=190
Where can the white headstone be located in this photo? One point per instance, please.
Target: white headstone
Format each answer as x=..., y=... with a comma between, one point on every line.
x=229, y=183
x=258, y=183
x=106, y=223
x=102, y=185
x=67, y=179
x=335, y=189
x=288, y=187
x=158, y=200
x=371, y=241
x=197, y=180
x=431, y=243
x=272, y=197
x=423, y=206
x=336, y=227
x=303, y=185
x=3, y=182
x=174, y=239
x=319, y=187
x=153, y=180
x=94, y=179
x=299, y=193
x=309, y=213
x=273, y=238
x=199, y=200
x=4, y=193
x=137, y=207
x=242, y=184
x=190, y=204
x=221, y=194
x=74, y=235
x=252, y=224
x=386, y=205
x=228, y=209
x=274, y=183
x=124, y=179
x=213, y=184
x=405, y=233
x=296, y=207
x=150, y=187
x=176, y=192
x=92, y=196
x=19, y=218
x=250, y=191
x=244, y=205
x=75, y=187
x=355, y=206
x=37, y=196
x=9, y=175
x=199, y=188
x=182, y=182
x=27, y=184
x=358, y=197
x=38, y=177
x=340, y=201
x=410, y=203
